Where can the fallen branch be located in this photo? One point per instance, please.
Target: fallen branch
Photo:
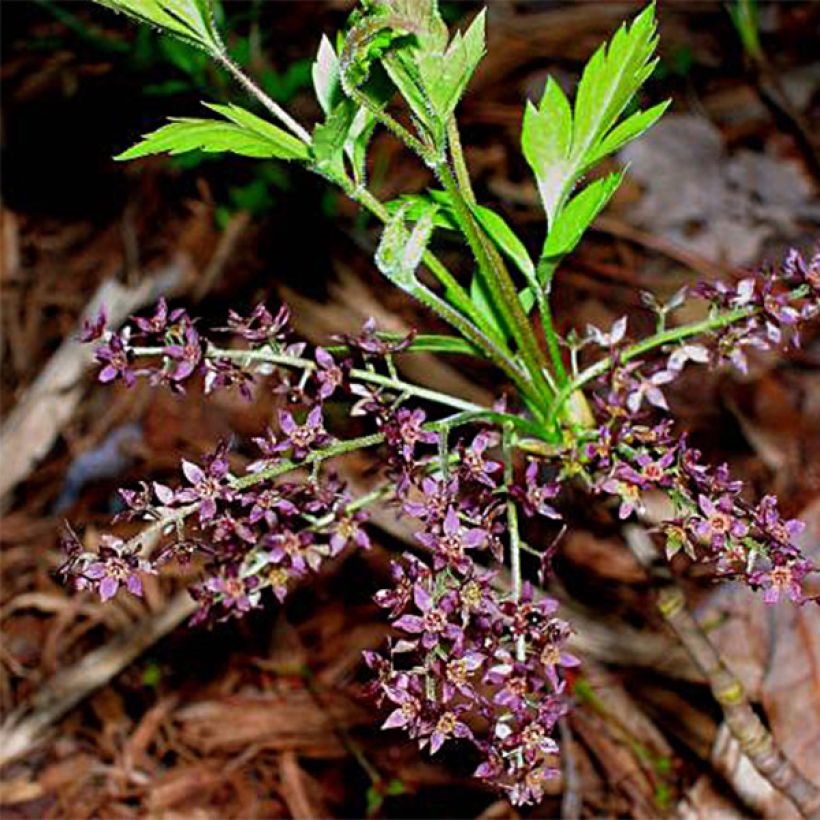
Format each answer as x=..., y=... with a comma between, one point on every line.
x=755, y=741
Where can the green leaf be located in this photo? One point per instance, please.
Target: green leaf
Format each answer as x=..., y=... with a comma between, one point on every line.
x=330, y=137
x=631, y=128
x=561, y=144
x=400, y=250
x=578, y=215
x=289, y=146
x=444, y=76
x=611, y=78
x=326, y=80
x=243, y=133
x=505, y=240
x=189, y=20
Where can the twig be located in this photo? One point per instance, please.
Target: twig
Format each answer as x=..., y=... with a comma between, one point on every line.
x=755, y=740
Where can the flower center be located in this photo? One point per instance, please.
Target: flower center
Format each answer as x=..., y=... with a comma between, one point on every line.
x=446, y=723
x=434, y=621
x=781, y=577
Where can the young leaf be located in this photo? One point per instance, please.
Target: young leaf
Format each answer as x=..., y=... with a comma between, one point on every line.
x=326, y=81
x=561, y=144
x=493, y=224
x=189, y=20
x=445, y=76
x=330, y=137
x=578, y=214
x=400, y=251
x=242, y=133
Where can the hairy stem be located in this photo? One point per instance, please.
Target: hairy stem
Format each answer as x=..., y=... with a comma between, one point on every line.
x=255, y=91
x=754, y=739
x=498, y=281
x=459, y=161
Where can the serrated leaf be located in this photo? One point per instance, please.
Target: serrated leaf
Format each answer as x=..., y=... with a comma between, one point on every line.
x=445, y=76
x=610, y=80
x=189, y=20
x=559, y=145
x=578, y=215
x=631, y=128
x=243, y=133
x=290, y=146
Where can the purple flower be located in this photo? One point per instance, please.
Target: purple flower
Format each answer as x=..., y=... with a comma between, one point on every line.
x=348, y=529
x=718, y=523
x=450, y=544
x=473, y=466
x=446, y=726
x=187, y=353
x=768, y=520
x=457, y=674
x=116, y=358
x=780, y=579
x=372, y=345
x=93, y=329
x=297, y=549
x=301, y=438
x=534, y=495
x=261, y=325
x=437, y=496
x=233, y=594
x=409, y=710
x=114, y=568
x=158, y=323
x=265, y=504
x=207, y=486
x=433, y=625
x=329, y=374
x=406, y=431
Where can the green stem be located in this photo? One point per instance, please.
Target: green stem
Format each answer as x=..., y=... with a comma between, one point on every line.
x=282, y=467
x=544, y=274
x=656, y=340
x=369, y=376
x=498, y=281
x=512, y=528
x=459, y=161
x=255, y=91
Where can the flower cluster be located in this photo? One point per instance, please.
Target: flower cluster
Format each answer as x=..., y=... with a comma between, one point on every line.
x=471, y=663
x=476, y=657
x=628, y=455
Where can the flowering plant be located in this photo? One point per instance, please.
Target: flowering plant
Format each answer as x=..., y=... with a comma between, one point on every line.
x=478, y=653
